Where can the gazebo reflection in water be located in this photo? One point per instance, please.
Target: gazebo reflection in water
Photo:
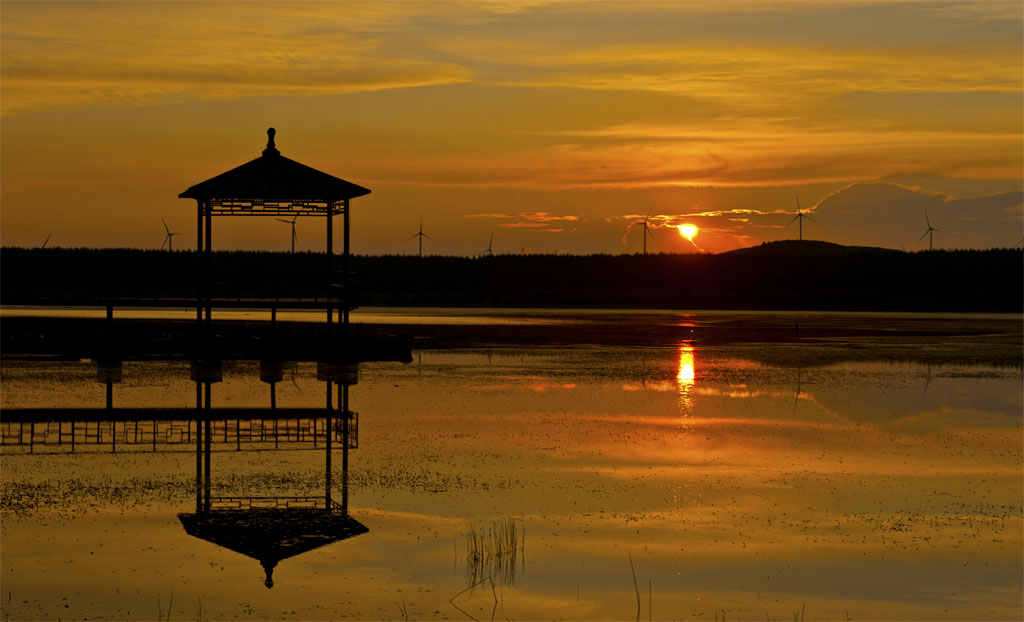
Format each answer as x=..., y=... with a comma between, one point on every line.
x=271, y=528
x=271, y=535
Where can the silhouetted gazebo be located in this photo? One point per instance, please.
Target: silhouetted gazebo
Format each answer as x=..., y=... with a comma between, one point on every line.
x=273, y=185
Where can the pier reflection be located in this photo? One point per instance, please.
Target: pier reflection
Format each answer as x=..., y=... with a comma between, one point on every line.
x=164, y=430
x=272, y=527
x=266, y=525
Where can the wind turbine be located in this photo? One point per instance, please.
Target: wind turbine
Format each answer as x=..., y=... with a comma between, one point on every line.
x=169, y=239
x=46, y=240
x=490, y=247
x=799, y=216
x=928, y=232
x=645, y=228
x=420, y=235
x=292, y=223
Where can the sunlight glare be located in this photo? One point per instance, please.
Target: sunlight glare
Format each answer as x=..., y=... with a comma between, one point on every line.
x=687, y=231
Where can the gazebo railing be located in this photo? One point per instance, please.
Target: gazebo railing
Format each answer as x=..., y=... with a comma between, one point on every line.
x=318, y=502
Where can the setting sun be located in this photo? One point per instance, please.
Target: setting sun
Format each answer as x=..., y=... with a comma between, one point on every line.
x=687, y=231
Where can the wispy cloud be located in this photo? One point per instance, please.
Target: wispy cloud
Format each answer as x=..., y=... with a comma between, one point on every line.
x=522, y=225
x=671, y=220
x=771, y=78
x=537, y=217
x=788, y=157
x=79, y=54
x=757, y=113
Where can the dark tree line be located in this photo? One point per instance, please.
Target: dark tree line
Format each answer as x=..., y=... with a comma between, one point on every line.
x=774, y=276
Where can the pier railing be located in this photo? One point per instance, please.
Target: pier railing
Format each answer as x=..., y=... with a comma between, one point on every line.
x=297, y=291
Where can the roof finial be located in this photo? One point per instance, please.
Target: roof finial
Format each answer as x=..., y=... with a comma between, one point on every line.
x=271, y=149
x=268, y=567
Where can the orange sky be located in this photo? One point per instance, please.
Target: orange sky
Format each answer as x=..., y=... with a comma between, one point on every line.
x=552, y=125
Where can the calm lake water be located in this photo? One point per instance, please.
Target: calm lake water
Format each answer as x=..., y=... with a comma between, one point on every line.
x=670, y=481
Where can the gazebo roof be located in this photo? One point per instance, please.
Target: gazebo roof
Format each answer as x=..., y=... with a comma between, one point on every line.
x=274, y=177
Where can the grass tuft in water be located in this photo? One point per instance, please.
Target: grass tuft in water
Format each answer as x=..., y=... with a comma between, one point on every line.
x=494, y=551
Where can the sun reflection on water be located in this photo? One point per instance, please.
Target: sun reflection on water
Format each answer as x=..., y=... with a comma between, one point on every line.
x=686, y=377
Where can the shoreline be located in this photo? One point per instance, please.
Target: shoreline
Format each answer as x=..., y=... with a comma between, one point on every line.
x=368, y=311
x=774, y=338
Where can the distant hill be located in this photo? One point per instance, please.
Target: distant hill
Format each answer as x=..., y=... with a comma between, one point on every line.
x=808, y=247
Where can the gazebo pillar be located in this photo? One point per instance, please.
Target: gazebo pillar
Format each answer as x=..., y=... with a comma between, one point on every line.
x=199, y=446
x=330, y=264
x=199, y=262
x=345, y=269
x=346, y=421
x=208, y=252
x=328, y=437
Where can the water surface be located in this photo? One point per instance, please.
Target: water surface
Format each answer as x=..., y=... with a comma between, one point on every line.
x=731, y=478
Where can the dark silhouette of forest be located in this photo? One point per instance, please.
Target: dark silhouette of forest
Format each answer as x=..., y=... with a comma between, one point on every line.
x=780, y=275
